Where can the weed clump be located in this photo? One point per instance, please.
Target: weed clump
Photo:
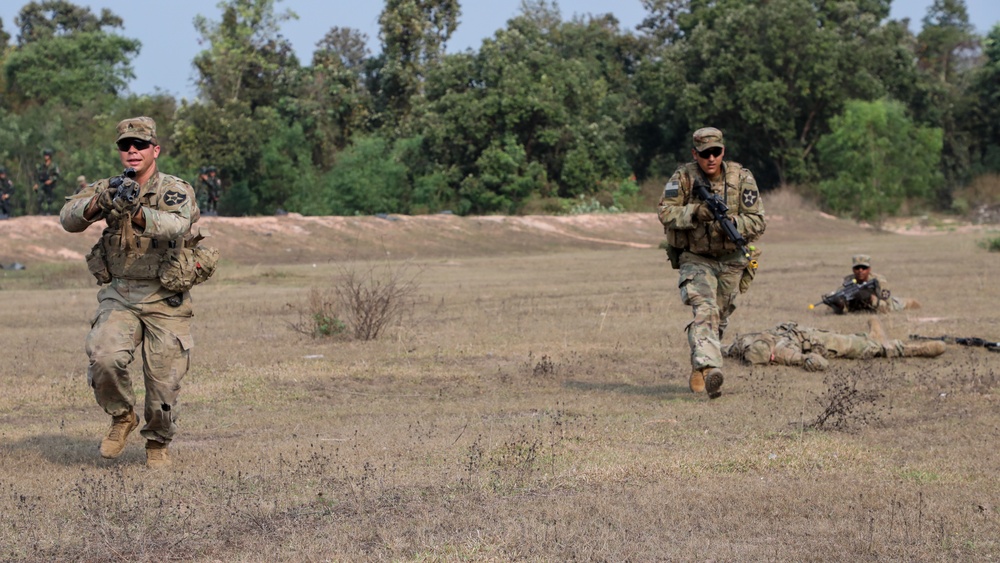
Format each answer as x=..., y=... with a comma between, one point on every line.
x=844, y=404
x=361, y=303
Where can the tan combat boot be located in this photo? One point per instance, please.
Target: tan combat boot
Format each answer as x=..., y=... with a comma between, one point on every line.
x=925, y=349
x=121, y=426
x=697, y=381
x=876, y=333
x=713, y=383
x=157, y=456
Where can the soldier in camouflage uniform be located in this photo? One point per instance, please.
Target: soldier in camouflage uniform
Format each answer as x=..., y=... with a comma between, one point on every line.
x=211, y=187
x=875, y=300
x=47, y=175
x=6, y=193
x=135, y=310
x=712, y=271
x=792, y=345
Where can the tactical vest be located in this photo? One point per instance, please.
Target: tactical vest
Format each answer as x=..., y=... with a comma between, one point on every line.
x=139, y=260
x=702, y=240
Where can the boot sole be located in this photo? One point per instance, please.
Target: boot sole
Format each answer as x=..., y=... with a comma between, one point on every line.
x=713, y=384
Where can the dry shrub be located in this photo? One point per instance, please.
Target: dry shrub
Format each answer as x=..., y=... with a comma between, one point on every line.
x=845, y=404
x=376, y=296
x=361, y=304
x=318, y=315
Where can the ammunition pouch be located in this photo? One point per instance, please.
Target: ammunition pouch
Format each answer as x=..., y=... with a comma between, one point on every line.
x=187, y=266
x=673, y=254
x=97, y=264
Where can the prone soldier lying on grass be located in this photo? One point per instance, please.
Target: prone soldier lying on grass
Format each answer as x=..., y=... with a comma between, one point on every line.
x=793, y=345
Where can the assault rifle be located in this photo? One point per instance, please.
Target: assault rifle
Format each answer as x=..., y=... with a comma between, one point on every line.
x=838, y=300
x=125, y=186
x=970, y=341
x=720, y=210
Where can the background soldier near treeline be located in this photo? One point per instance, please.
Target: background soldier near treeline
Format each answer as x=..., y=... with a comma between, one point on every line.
x=6, y=193
x=209, y=189
x=47, y=178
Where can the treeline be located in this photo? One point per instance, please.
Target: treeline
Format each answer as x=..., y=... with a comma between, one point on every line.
x=547, y=114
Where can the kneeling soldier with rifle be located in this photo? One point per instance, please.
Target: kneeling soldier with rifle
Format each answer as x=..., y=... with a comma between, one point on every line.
x=865, y=291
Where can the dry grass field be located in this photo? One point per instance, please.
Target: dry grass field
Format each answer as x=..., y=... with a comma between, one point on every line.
x=531, y=405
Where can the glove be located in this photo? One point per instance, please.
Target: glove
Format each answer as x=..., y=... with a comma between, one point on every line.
x=815, y=362
x=106, y=201
x=704, y=214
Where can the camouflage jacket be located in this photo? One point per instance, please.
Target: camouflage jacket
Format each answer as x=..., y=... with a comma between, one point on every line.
x=735, y=185
x=169, y=209
x=45, y=173
x=869, y=299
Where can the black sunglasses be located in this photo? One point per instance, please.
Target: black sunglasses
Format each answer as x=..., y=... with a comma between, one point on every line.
x=711, y=151
x=861, y=267
x=139, y=144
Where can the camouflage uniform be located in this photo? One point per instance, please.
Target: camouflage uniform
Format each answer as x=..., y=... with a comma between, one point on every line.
x=711, y=268
x=134, y=308
x=211, y=185
x=47, y=175
x=6, y=193
x=791, y=345
x=880, y=300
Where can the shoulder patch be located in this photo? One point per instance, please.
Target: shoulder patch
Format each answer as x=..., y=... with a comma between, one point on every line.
x=749, y=197
x=672, y=189
x=174, y=198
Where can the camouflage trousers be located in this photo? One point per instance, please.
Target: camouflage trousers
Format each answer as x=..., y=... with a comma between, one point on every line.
x=164, y=334
x=710, y=287
x=808, y=347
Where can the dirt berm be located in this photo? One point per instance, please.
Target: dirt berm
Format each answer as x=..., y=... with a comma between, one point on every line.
x=294, y=239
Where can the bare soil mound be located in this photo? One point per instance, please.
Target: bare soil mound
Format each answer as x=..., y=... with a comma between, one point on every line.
x=295, y=239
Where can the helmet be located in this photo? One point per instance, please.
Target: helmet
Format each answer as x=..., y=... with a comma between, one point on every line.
x=48, y=152
x=3, y=170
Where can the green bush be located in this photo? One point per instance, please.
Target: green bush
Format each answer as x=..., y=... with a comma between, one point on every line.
x=991, y=244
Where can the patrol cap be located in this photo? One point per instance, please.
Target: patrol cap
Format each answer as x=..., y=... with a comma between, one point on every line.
x=861, y=260
x=142, y=128
x=706, y=138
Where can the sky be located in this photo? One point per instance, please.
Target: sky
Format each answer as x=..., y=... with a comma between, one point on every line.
x=170, y=42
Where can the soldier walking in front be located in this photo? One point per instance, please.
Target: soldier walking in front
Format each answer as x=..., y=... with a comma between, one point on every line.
x=713, y=271
x=136, y=312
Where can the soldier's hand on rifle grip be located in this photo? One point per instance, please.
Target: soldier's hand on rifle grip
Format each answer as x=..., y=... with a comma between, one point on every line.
x=106, y=201
x=704, y=213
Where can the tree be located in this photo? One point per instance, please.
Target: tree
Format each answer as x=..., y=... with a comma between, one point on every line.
x=874, y=158
x=769, y=74
x=334, y=103
x=66, y=54
x=948, y=50
x=247, y=59
x=541, y=109
x=984, y=114
x=249, y=82
x=413, y=34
